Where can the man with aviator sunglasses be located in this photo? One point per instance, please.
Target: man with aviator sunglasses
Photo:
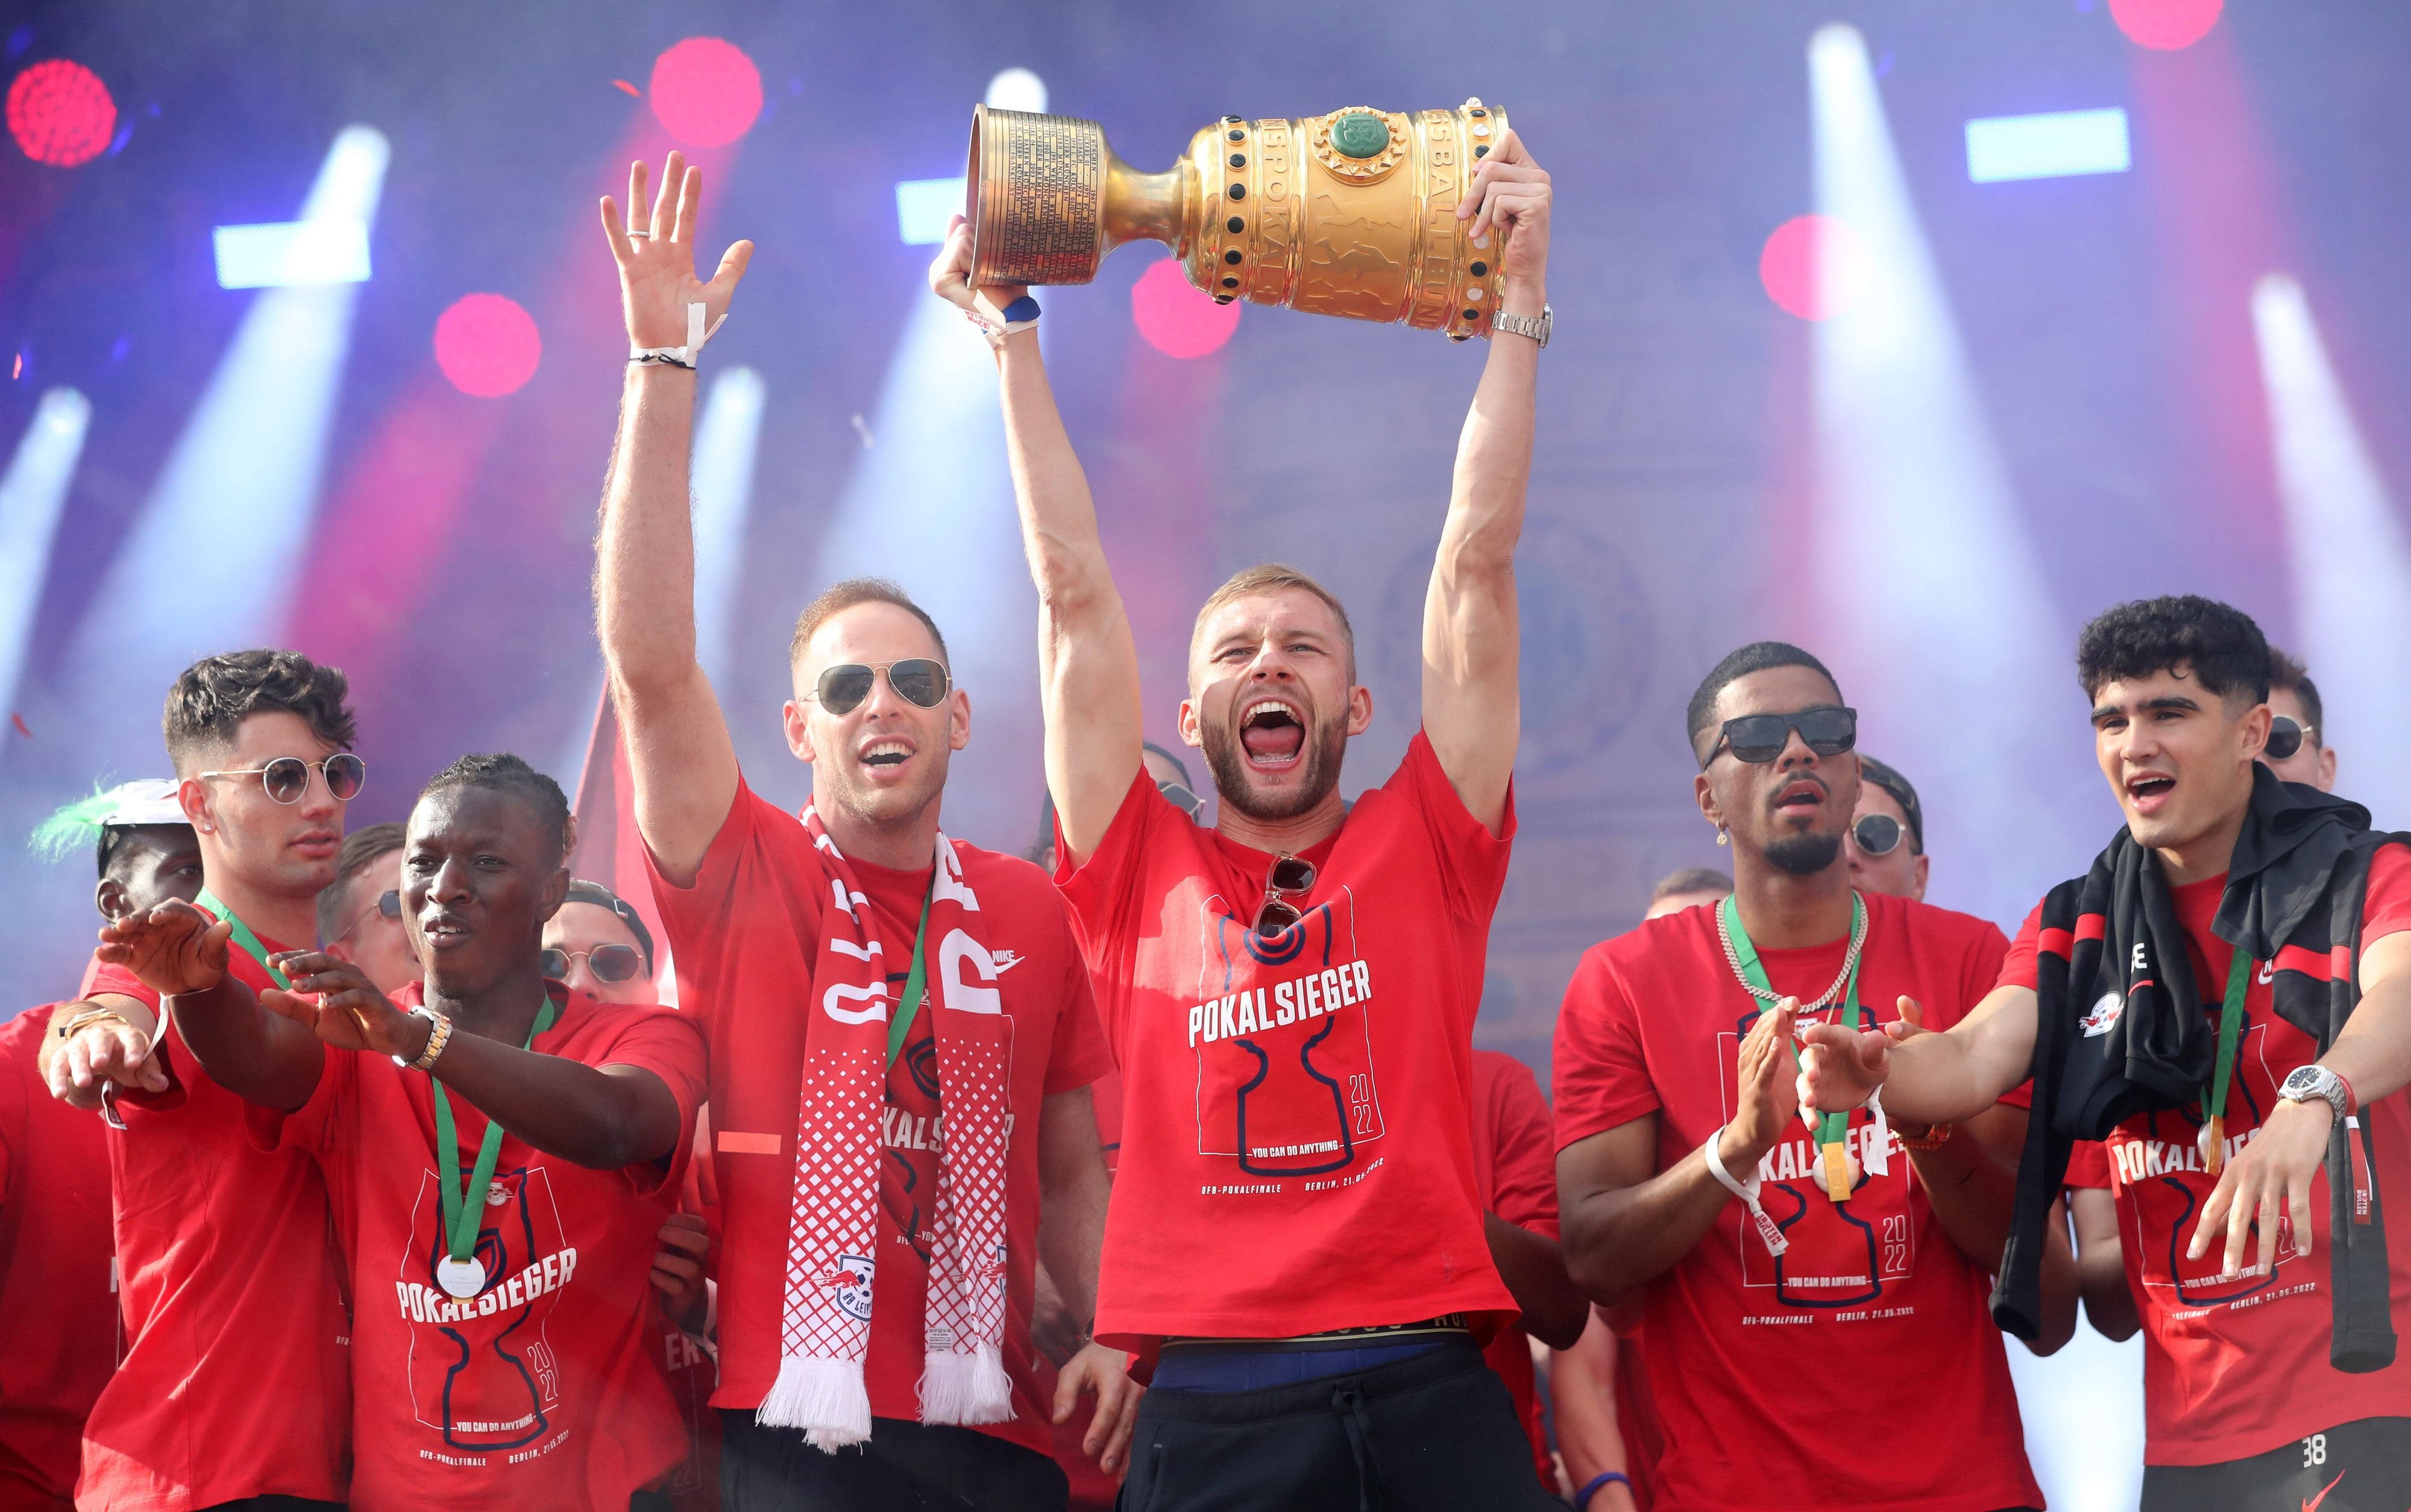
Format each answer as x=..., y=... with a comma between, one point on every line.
x=901, y=1028
x=1298, y=1227
x=1812, y=1253
x=214, y=1234
x=1886, y=841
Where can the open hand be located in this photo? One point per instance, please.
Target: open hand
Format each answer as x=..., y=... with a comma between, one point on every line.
x=1510, y=192
x=657, y=278
x=678, y=1271
x=335, y=1000
x=174, y=948
x=2269, y=1177
x=1765, y=1099
x=1105, y=1371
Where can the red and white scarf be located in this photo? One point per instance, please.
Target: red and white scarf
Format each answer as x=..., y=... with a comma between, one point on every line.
x=833, y=1224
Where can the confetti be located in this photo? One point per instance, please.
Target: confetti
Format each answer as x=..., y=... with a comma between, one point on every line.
x=18, y=720
x=627, y=88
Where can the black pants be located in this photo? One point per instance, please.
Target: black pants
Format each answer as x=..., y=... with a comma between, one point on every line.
x=2358, y=1466
x=1436, y=1431
x=906, y=1467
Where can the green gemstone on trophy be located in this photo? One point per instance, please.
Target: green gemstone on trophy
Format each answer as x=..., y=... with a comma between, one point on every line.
x=1360, y=134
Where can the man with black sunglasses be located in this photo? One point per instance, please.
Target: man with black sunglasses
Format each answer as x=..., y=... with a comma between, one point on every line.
x=1774, y=1257
x=2297, y=748
x=229, y=1291
x=1296, y=1226
x=900, y=1026
x=359, y=913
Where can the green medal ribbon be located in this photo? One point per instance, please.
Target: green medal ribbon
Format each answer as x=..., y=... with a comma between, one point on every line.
x=915, y=982
x=461, y=1215
x=243, y=935
x=2230, y=1028
x=1831, y=1129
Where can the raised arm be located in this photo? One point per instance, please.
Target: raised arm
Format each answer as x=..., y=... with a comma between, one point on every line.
x=1625, y=1223
x=180, y=953
x=602, y=1117
x=1469, y=692
x=685, y=769
x=1088, y=664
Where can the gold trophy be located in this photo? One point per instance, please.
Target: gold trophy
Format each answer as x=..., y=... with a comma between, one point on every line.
x=1352, y=213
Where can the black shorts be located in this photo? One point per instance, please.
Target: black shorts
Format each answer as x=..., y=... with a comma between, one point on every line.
x=2360, y=1466
x=1436, y=1432
x=906, y=1467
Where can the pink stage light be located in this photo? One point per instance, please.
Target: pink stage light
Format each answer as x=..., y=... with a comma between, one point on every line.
x=1177, y=318
x=1814, y=267
x=60, y=112
x=2166, y=24
x=488, y=345
x=706, y=92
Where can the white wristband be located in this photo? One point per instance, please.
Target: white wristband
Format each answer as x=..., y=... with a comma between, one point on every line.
x=1874, y=1146
x=679, y=357
x=1767, y=1230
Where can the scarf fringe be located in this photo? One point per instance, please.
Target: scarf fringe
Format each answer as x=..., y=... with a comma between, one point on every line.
x=958, y=1388
x=823, y=1397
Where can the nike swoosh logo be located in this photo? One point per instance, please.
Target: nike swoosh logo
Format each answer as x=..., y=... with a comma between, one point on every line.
x=1006, y=959
x=2312, y=1505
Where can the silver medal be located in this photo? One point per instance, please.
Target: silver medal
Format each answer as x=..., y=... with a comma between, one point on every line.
x=462, y=1279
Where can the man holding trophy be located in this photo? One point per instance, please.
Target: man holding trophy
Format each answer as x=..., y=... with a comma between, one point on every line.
x=1295, y=1240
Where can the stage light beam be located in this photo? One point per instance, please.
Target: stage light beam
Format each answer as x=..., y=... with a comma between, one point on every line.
x=2351, y=556
x=288, y=253
x=209, y=562
x=32, y=493
x=726, y=442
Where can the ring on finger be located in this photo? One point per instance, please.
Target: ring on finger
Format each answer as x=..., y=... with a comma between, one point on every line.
x=639, y=236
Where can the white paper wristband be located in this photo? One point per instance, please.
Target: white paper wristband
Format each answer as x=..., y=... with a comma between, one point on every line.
x=681, y=357
x=1767, y=1230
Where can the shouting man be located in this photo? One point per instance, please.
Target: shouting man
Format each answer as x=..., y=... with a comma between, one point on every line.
x=900, y=1123
x=1297, y=1224
x=2225, y=1000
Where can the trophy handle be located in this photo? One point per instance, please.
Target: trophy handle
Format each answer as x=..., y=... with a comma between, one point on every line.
x=1047, y=198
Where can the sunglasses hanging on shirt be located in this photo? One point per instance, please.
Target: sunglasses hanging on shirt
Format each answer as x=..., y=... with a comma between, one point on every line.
x=1287, y=876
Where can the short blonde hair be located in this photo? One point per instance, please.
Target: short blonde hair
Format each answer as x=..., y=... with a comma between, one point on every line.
x=1271, y=577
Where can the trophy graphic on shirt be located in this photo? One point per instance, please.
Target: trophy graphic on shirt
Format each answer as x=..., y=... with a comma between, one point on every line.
x=1350, y=214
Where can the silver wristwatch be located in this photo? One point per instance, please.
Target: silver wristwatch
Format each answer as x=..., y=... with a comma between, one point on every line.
x=1526, y=326
x=2308, y=1081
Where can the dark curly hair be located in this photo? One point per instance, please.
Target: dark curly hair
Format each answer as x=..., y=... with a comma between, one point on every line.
x=503, y=773
x=215, y=694
x=2215, y=643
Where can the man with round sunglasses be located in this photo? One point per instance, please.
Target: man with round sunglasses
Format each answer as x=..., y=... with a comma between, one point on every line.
x=229, y=1286
x=1772, y=1255
x=359, y=913
x=1297, y=1228
x=2298, y=750
x=1886, y=841
x=900, y=1026
x=596, y=943
x=2224, y=1000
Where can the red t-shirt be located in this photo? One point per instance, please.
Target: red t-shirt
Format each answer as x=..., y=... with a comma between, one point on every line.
x=2237, y=1368
x=2088, y=1162
x=1515, y=1171
x=1297, y=1148
x=747, y=930
x=692, y=1484
x=543, y=1392
x=57, y=1315
x=1799, y=1371
x=231, y=1290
